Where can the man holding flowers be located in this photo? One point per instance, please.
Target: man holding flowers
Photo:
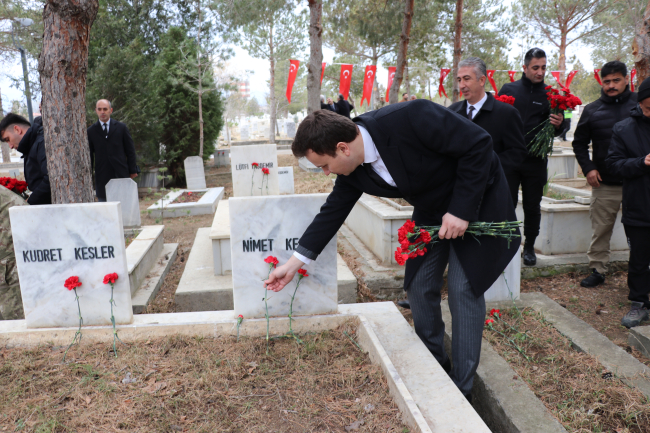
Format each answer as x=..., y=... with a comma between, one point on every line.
x=443, y=165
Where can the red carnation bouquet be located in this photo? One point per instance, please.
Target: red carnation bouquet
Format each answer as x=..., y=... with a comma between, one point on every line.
x=542, y=144
x=505, y=98
x=15, y=185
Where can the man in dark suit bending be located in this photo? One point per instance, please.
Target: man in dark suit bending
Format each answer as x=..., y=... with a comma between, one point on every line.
x=112, y=152
x=443, y=165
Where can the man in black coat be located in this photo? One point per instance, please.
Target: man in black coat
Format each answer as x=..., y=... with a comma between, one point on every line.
x=112, y=152
x=596, y=123
x=629, y=158
x=28, y=140
x=444, y=166
x=323, y=105
x=502, y=121
x=530, y=99
x=343, y=107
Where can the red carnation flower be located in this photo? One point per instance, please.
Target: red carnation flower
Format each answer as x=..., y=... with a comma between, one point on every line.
x=303, y=272
x=488, y=321
x=72, y=283
x=272, y=261
x=265, y=170
x=495, y=312
x=399, y=257
x=425, y=236
x=240, y=317
x=110, y=278
x=255, y=164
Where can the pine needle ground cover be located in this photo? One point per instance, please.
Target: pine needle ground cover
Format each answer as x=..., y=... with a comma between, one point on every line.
x=573, y=386
x=325, y=384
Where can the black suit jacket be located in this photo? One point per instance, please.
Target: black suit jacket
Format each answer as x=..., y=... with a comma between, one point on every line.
x=440, y=162
x=503, y=122
x=113, y=157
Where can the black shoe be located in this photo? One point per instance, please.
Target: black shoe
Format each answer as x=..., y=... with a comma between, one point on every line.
x=404, y=303
x=593, y=280
x=530, y=259
x=637, y=314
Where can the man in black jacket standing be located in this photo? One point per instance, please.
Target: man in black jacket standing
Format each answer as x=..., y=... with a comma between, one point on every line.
x=343, y=107
x=629, y=158
x=595, y=126
x=530, y=99
x=28, y=140
x=444, y=166
x=502, y=121
x=112, y=152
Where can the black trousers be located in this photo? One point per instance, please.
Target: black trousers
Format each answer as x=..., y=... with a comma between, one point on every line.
x=638, y=274
x=532, y=176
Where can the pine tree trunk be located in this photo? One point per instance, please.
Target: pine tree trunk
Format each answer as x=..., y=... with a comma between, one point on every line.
x=641, y=47
x=63, y=67
x=315, y=55
x=561, y=62
x=458, y=50
x=6, y=152
x=272, y=109
x=393, y=95
x=200, y=87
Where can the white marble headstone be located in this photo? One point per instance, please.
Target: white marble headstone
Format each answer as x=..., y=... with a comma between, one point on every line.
x=126, y=192
x=508, y=286
x=271, y=226
x=249, y=181
x=244, y=133
x=194, y=173
x=54, y=242
x=222, y=157
x=285, y=179
x=291, y=129
x=14, y=172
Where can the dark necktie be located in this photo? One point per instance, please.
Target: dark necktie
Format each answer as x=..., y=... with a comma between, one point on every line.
x=377, y=178
x=105, y=131
x=470, y=114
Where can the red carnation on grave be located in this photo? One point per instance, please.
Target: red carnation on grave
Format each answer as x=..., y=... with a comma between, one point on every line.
x=72, y=283
x=110, y=278
x=489, y=321
x=265, y=170
x=272, y=261
x=240, y=317
x=303, y=273
x=256, y=165
x=189, y=193
x=494, y=312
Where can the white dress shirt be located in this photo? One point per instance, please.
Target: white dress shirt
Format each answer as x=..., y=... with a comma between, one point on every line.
x=477, y=106
x=370, y=156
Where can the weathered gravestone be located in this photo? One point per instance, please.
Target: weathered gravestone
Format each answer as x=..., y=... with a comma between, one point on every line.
x=271, y=226
x=194, y=173
x=244, y=132
x=222, y=157
x=508, y=286
x=126, y=192
x=55, y=242
x=291, y=129
x=247, y=180
x=285, y=180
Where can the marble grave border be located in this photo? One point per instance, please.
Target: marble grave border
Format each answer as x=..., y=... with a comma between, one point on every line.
x=206, y=205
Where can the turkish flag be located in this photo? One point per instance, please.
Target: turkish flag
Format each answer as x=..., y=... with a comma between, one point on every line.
x=391, y=75
x=443, y=74
x=512, y=74
x=368, y=81
x=569, y=78
x=322, y=73
x=293, y=72
x=346, y=79
x=490, y=77
x=632, y=75
x=597, y=76
x=556, y=75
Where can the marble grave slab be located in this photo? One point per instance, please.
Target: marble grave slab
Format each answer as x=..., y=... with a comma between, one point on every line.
x=291, y=129
x=249, y=181
x=244, y=132
x=54, y=242
x=126, y=192
x=271, y=226
x=285, y=180
x=194, y=173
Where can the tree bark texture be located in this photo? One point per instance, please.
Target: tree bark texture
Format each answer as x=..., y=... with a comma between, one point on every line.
x=393, y=95
x=63, y=67
x=6, y=152
x=273, y=109
x=641, y=47
x=458, y=50
x=315, y=64
x=200, y=86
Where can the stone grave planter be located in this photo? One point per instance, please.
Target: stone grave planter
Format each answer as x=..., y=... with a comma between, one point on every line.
x=206, y=205
x=148, y=178
x=562, y=164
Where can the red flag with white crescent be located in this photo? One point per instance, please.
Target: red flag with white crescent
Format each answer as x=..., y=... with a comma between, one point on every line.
x=490, y=77
x=368, y=81
x=322, y=73
x=443, y=74
x=569, y=78
x=293, y=72
x=556, y=75
x=632, y=75
x=597, y=76
x=512, y=74
x=346, y=79
x=391, y=75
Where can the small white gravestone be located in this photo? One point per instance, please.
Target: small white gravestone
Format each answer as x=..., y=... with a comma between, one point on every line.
x=194, y=173
x=285, y=179
x=126, y=192
x=248, y=180
x=272, y=226
x=55, y=242
x=222, y=157
x=14, y=172
x=244, y=132
x=291, y=130
x=507, y=287
x=265, y=131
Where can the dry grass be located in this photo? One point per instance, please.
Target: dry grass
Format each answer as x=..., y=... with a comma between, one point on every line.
x=197, y=385
x=306, y=182
x=573, y=386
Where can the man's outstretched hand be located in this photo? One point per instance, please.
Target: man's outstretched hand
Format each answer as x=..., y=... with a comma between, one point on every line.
x=452, y=227
x=282, y=275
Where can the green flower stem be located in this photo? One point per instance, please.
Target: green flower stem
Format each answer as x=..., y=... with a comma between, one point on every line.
x=78, y=333
x=300, y=277
x=266, y=307
x=511, y=343
x=115, y=336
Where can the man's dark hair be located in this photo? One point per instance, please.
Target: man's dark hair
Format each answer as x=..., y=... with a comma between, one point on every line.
x=534, y=53
x=613, y=67
x=13, y=119
x=404, y=94
x=321, y=131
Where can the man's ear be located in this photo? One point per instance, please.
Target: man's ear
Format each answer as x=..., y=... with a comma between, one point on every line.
x=343, y=147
